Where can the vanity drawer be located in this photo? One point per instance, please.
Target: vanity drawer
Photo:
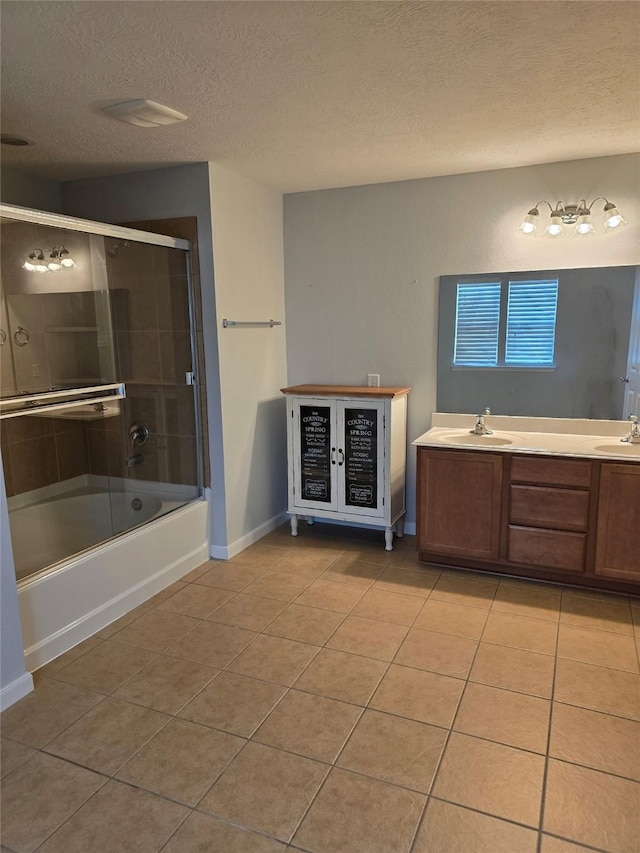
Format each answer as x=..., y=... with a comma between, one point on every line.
x=553, y=549
x=540, y=506
x=551, y=471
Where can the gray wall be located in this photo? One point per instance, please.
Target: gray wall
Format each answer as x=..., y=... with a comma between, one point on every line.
x=592, y=342
x=362, y=265
x=28, y=191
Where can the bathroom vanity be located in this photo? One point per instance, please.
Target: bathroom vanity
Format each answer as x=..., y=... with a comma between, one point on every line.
x=562, y=506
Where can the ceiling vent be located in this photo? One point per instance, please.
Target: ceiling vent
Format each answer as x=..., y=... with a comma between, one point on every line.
x=144, y=113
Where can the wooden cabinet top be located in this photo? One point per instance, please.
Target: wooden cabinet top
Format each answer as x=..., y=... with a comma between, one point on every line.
x=344, y=391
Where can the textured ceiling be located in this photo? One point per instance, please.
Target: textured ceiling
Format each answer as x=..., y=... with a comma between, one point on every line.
x=306, y=95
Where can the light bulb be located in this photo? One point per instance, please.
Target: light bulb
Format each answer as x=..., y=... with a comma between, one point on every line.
x=54, y=266
x=555, y=227
x=612, y=217
x=69, y=263
x=584, y=225
x=529, y=225
x=29, y=264
x=40, y=263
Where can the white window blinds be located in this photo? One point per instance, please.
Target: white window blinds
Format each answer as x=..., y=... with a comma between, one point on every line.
x=531, y=323
x=506, y=323
x=477, y=324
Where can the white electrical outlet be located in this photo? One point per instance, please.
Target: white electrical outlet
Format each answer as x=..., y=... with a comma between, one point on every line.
x=373, y=380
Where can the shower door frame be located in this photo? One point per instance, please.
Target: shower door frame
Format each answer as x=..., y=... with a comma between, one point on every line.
x=103, y=229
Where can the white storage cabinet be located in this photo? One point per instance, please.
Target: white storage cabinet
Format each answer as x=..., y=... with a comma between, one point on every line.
x=347, y=455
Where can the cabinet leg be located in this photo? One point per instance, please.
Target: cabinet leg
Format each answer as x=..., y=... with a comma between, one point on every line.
x=310, y=520
x=388, y=539
x=400, y=527
x=294, y=525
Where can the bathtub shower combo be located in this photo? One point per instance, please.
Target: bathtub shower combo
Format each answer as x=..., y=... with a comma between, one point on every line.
x=99, y=421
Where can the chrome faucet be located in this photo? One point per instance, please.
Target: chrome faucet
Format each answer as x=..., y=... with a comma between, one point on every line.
x=480, y=428
x=634, y=435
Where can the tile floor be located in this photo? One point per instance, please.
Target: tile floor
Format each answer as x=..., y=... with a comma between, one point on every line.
x=322, y=694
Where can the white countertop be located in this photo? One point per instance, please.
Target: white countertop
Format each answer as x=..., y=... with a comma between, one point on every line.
x=581, y=438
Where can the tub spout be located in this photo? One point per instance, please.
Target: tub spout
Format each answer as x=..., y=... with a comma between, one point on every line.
x=136, y=459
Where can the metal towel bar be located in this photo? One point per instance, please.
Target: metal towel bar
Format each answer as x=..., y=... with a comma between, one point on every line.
x=270, y=323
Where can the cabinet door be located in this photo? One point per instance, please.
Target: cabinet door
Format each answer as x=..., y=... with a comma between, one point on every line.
x=314, y=454
x=618, y=531
x=460, y=497
x=361, y=458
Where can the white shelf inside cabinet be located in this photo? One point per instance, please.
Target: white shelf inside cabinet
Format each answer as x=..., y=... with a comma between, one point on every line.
x=347, y=455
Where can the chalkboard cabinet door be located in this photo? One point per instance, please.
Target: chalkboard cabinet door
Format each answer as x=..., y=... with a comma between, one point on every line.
x=338, y=456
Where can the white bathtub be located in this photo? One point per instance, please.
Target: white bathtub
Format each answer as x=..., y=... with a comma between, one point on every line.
x=69, y=602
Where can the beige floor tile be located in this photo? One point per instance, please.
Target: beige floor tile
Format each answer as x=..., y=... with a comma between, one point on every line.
x=118, y=819
x=201, y=833
x=614, y=616
x=164, y=594
x=371, y=551
x=50, y=669
x=43, y=714
x=550, y=844
x=596, y=740
x=461, y=588
x=234, y=703
x=394, y=749
x=452, y=829
x=108, y=735
x=513, y=669
x=500, y=780
x=38, y=796
x=592, y=808
x=248, y=611
x=12, y=755
x=514, y=719
x=528, y=599
x=601, y=648
x=455, y=619
x=339, y=597
x=265, y=789
x=233, y=576
x=166, y=684
x=407, y=581
x=388, y=607
x=196, y=573
x=598, y=688
x=196, y=600
x=155, y=630
x=353, y=814
x=310, y=725
x=340, y=675
x=274, y=659
x=283, y=586
x=260, y=554
x=307, y=562
x=348, y=569
x=521, y=632
x=105, y=667
x=117, y=625
x=212, y=644
x=379, y=640
x=441, y=653
x=419, y=695
x=182, y=761
x=305, y=624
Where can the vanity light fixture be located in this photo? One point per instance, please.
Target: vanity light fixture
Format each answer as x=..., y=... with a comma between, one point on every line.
x=59, y=258
x=578, y=215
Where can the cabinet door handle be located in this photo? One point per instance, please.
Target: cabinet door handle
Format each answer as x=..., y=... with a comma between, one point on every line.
x=341, y=452
x=333, y=456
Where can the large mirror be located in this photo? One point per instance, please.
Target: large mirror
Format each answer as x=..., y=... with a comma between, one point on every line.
x=587, y=357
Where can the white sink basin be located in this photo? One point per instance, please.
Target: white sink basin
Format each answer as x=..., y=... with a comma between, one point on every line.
x=620, y=448
x=481, y=440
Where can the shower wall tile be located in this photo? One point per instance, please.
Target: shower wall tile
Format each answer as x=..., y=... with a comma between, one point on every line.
x=145, y=357
x=34, y=463
x=172, y=303
x=182, y=460
x=179, y=408
x=72, y=455
x=175, y=356
x=7, y=466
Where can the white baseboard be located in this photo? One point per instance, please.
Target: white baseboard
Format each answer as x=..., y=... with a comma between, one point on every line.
x=225, y=552
x=14, y=691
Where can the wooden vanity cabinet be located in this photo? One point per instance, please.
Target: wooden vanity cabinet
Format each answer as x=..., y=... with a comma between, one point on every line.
x=547, y=517
x=618, y=527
